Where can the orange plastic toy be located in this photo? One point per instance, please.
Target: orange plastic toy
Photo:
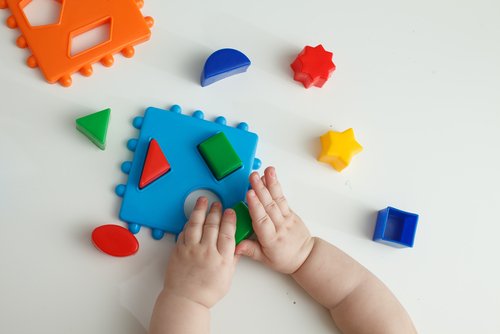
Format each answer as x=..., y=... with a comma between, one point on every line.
x=50, y=44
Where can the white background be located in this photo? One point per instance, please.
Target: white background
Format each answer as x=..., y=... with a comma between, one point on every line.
x=419, y=83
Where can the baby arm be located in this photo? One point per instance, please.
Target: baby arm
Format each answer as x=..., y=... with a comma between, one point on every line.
x=199, y=272
x=358, y=302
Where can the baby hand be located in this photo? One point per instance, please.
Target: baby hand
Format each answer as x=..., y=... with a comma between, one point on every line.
x=202, y=264
x=283, y=241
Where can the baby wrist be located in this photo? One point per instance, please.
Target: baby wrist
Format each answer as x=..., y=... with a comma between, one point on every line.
x=308, y=246
x=184, y=301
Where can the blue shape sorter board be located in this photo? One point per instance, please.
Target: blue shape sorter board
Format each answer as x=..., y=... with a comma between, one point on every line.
x=160, y=205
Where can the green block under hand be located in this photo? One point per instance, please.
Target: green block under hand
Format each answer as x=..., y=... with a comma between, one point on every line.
x=243, y=222
x=95, y=127
x=220, y=155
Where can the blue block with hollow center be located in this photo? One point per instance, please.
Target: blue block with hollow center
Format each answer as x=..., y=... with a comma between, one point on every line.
x=222, y=64
x=395, y=227
x=160, y=205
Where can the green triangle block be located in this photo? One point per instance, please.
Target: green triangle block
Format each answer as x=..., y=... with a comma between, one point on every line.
x=95, y=127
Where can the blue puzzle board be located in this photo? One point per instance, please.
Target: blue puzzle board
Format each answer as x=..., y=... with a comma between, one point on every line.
x=160, y=206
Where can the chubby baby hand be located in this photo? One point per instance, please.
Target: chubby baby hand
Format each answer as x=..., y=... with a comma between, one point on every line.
x=203, y=262
x=283, y=241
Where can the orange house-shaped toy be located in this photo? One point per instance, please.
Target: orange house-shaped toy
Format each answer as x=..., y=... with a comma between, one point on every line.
x=50, y=44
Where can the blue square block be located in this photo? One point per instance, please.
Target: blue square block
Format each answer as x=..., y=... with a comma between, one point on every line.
x=160, y=205
x=395, y=227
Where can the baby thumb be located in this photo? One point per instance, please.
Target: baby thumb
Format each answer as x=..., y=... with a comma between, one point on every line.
x=251, y=249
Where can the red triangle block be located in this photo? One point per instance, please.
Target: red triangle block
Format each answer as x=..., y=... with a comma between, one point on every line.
x=155, y=165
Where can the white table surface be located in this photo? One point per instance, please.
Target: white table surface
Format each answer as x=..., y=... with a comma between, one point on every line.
x=419, y=83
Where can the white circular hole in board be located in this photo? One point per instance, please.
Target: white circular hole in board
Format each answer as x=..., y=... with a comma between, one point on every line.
x=193, y=197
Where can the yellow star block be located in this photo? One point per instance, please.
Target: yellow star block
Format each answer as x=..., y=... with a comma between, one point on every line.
x=338, y=148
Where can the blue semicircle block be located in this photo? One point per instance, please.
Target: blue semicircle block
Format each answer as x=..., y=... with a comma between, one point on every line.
x=222, y=64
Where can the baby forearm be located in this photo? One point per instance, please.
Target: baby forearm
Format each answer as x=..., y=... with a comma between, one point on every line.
x=173, y=314
x=357, y=300
x=329, y=275
x=380, y=311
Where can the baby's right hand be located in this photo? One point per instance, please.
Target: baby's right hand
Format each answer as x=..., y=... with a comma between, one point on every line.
x=283, y=241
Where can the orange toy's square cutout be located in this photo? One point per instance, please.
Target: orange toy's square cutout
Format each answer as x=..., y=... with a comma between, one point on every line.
x=116, y=25
x=90, y=37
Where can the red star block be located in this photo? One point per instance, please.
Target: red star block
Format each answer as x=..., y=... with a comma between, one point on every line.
x=313, y=66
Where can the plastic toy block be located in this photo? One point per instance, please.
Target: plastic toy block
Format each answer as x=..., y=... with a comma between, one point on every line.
x=395, y=227
x=160, y=206
x=115, y=240
x=313, y=66
x=338, y=148
x=51, y=44
x=155, y=166
x=95, y=127
x=222, y=64
x=243, y=222
x=220, y=155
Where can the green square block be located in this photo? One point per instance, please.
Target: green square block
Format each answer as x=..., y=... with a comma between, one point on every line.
x=243, y=222
x=220, y=155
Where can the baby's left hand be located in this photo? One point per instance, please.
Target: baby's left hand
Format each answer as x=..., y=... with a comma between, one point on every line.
x=202, y=264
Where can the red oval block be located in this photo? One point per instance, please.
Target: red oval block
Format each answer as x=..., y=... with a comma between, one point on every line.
x=115, y=240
